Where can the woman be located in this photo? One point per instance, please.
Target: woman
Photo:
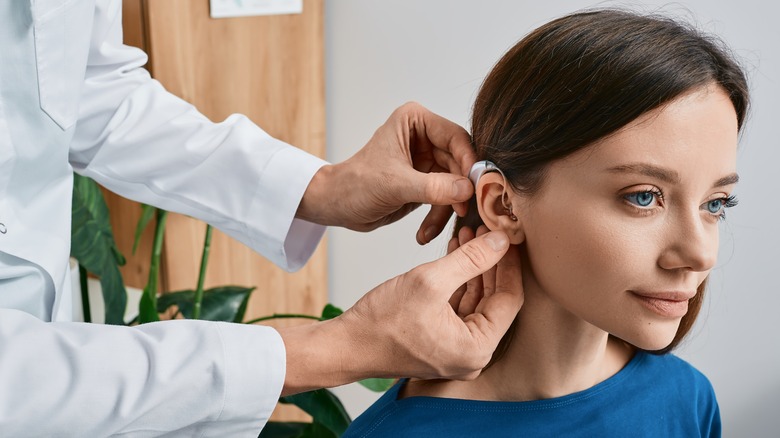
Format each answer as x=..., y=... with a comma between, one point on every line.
x=610, y=145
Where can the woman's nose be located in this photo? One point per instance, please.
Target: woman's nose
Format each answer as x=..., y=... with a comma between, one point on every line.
x=692, y=243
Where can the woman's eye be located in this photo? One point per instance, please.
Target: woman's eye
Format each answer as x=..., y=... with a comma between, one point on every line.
x=715, y=206
x=642, y=199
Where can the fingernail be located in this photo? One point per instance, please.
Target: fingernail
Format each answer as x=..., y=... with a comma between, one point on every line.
x=462, y=189
x=430, y=233
x=497, y=241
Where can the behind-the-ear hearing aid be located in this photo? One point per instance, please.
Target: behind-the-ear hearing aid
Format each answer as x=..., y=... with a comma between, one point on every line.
x=482, y=167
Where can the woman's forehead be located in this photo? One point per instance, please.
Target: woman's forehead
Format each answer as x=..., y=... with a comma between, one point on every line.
x=695, y=133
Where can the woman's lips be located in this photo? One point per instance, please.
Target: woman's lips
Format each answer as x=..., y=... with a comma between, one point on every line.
x=666, y=304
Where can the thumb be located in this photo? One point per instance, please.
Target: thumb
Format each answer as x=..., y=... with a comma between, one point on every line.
x=496, y=312
x=468, y=261
x=436, y=188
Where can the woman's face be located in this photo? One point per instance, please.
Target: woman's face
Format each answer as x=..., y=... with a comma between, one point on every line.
x=623, y=232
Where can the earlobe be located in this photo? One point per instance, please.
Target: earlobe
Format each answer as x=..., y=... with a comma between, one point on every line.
x=494, y=202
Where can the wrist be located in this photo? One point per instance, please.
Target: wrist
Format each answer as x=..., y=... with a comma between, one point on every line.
x=322, y=355
x=318, y=197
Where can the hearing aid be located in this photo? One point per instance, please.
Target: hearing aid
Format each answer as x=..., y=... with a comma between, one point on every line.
x=482, y=167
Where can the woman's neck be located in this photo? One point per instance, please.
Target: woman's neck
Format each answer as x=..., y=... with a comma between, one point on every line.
x=553, y=353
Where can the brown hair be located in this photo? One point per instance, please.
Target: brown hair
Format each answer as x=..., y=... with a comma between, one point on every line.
x=581, y=78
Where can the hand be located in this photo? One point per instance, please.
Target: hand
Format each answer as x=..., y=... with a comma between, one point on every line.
x=406, y=327
x=469, y=298
x=432, y=339
x=415, y=157
x=411, y=328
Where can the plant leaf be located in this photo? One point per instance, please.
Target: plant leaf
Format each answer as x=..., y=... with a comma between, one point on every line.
x=378, y=385
x=146, y=310
x=242, y=308
x=147, y=213
x=324, y=407
x=329, y=312
x=225, y=303
x=94, y=247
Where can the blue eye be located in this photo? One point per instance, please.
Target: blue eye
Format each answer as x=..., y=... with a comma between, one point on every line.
x=718, y=206
x=715, y=206
x=642, y=199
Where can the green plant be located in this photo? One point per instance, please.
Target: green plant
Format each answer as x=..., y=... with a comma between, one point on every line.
x=94, y=247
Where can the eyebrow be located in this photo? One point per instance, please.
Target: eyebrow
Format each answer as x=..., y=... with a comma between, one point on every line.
x=666, y=175
x=727, y=180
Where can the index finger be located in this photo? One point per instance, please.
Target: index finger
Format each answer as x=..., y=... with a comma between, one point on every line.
x=447, y=136
x=499, y=309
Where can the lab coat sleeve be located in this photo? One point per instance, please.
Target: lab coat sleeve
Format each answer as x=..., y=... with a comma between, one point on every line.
x=146, y=144
x=174, y=378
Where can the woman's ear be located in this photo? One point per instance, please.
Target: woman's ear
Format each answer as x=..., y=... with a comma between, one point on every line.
x=494, y=202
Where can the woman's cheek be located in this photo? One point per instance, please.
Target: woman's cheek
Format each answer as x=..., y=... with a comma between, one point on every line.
x=565, y=253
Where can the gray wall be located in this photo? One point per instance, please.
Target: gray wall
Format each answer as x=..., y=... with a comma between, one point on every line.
x=380, y=54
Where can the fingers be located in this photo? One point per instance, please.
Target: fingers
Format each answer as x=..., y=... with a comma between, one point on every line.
x=446, y=136
x=489, y=278
x=427, y=158
x=433, y=134
x=461, y=208
x=456, y=297
x=445, y=160
x=434, y=188
x=442, y=156
x=497, y=310
x=434, y=223
x=473, y=293
x=466, y=262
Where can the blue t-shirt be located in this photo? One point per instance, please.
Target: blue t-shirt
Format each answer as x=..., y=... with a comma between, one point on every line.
x=652, y=396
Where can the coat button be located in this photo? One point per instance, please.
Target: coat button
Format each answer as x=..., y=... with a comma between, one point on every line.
x=3, y=229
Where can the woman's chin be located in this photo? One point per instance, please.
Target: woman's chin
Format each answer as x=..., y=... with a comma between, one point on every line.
x=652, y=339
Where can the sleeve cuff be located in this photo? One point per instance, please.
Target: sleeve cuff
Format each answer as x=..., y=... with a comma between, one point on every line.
x=255, y=365
x=287, y=241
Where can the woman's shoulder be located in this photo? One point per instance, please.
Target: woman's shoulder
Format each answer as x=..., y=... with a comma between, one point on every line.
x=682, y=388
x=671, y=370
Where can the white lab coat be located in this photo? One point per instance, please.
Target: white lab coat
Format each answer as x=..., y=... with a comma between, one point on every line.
x=73, y=97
